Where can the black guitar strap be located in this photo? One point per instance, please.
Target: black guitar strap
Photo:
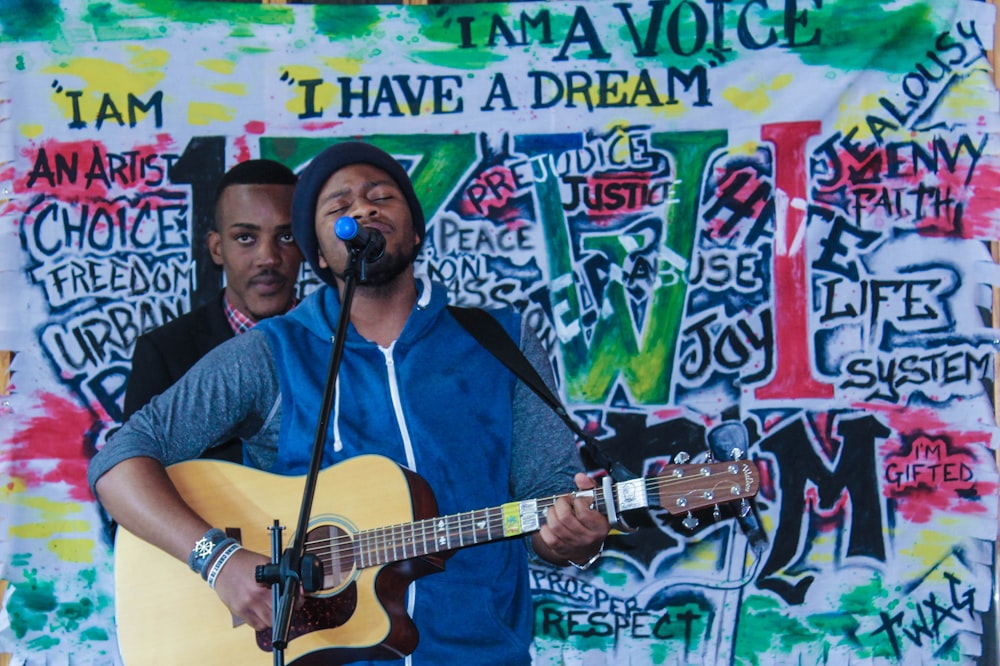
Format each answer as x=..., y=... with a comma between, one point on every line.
x=482, y=326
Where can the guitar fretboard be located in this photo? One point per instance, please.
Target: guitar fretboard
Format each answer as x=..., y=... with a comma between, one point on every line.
x=681, y=489
x=394, y=543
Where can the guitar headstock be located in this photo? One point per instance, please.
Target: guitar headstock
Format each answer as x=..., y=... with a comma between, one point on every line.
x=680, y=489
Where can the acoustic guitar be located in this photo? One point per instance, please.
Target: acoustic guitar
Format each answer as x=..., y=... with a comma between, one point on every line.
x=383, y=532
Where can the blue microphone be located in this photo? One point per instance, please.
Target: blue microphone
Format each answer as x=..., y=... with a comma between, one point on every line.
x=370, y=242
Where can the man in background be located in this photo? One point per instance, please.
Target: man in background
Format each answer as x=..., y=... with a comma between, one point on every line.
x=252, y=242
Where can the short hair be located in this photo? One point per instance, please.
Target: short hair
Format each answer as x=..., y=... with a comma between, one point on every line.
x=254, y=172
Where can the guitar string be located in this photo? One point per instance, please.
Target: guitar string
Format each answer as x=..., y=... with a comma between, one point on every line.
x=373, y=546
x=385, y=539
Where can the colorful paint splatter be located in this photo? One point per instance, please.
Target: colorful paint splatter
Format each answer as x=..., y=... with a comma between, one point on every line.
x=742, y=226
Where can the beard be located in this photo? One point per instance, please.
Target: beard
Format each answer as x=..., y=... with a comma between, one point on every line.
x=387, y=268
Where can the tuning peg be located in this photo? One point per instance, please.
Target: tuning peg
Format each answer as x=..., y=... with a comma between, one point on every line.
x=716, y=512
x=744, y=508
x=682, y=457
x=690, y=521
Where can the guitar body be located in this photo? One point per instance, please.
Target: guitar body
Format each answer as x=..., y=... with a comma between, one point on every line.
x=374, y=528
x=168, y=615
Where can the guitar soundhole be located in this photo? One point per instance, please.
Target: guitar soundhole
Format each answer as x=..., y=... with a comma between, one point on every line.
x=335, y=549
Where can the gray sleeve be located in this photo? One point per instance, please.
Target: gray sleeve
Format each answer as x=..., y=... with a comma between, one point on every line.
x=231, y=392
x=544, y=455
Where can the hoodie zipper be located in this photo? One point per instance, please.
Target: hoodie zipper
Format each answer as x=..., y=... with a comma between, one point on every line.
x=397, y=407
x=390, y=366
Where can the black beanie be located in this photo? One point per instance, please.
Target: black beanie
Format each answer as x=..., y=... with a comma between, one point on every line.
x=314, y=177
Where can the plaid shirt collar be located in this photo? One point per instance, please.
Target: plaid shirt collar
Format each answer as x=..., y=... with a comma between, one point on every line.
x=239, y=322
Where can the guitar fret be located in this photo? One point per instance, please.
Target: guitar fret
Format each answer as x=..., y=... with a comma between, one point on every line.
x=444, y=542
x=488, y=513
x=423, y=538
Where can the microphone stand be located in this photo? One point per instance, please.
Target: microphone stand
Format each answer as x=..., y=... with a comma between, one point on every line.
x=297, y=569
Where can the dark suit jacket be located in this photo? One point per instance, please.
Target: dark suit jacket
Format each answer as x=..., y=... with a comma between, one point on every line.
x=164, y=354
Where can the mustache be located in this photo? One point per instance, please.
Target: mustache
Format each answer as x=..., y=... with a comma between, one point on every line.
x=267, y=275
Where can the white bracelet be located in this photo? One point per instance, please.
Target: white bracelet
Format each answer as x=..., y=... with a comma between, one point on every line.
x=589, y=563
x=220, y=561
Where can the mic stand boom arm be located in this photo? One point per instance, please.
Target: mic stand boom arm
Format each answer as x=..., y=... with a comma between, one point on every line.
x=299, y=570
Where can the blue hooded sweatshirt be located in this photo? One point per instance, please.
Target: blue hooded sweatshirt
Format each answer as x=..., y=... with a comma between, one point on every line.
x=438, y=404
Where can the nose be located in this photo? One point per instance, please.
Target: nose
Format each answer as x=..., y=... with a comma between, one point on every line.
x=362, y=208
x=269, y=252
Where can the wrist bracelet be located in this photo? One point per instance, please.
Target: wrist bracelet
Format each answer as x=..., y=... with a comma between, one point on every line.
x=203, y=549
x=220, y=561
x=589, y=563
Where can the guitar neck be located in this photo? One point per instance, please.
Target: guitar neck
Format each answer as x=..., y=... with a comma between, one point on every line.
x=394, y=543
x=679, y=489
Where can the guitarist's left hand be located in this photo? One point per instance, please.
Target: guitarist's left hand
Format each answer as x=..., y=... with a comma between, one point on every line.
x=573, y=529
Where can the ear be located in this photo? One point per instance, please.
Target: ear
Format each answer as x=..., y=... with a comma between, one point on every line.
x=321, y=260
x=214, y=240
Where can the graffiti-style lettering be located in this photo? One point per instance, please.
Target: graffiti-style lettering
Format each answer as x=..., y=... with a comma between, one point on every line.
x=95, y=338
x=492, y=189
x=792, y=376
x=920, y=89
x=394, y=95
x=500, y=29
x=108, y=109
x=722, y=269
x=580, y=591
x=685, y=625
x=941, y=374
x=844, y=240
x=929, y=462
x=903, y=303
x=600, y=89
x=741, y=195
x=126, y=169
x=686, y=28
x=148, y=222
x=714, y=344
x=111, y=277
x=841, y=490
x=863, y=166
x=598, y=349
x=451, y=237
x=932, y=618
x=615, y=193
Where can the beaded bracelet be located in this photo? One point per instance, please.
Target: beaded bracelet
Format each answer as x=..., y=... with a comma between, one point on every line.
x=202, y=552
x=220, y=561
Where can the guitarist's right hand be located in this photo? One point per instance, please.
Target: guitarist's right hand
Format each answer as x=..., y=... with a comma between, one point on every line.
x=238, y=588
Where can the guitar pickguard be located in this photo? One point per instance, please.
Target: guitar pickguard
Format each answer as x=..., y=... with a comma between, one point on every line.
x=317, y=614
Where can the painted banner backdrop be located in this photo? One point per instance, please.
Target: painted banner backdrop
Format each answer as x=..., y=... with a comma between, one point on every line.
x=757, y=222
